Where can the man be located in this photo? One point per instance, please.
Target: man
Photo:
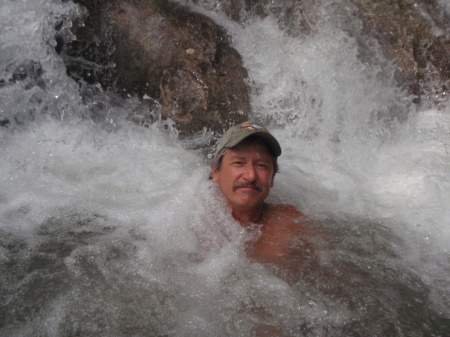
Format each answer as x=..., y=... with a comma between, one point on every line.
x=244, y=166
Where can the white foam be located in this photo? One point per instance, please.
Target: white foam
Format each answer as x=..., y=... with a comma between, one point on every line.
x=338, y=157
x=174, y=252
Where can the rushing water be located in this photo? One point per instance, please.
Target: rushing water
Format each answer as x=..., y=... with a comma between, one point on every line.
x=108, y=228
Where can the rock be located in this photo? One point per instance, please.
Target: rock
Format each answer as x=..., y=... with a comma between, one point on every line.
x=415, y=35
x=161, y=50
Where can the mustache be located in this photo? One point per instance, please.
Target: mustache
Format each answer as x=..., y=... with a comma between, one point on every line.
x=247, y=184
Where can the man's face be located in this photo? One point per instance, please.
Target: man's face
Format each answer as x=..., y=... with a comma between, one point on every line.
x=245, y=176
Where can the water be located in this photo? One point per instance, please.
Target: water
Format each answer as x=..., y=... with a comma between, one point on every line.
x=110, y=228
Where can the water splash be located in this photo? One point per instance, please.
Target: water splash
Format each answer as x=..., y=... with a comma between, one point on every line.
x=110, y=228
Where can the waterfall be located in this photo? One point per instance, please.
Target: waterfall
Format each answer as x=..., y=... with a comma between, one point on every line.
x=109, y=228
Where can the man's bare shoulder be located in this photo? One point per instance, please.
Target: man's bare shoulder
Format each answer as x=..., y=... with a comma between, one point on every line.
x=283, y=211
x=281, y=224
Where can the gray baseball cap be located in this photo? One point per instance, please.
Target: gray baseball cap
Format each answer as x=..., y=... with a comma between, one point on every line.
x=236, y=134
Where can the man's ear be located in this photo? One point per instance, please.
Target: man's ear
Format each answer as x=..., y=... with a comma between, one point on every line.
x=214, y=173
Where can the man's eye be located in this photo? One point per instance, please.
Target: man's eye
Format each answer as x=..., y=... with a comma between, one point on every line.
x=237, y=163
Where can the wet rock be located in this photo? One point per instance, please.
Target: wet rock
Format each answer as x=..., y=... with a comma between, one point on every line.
x=416, y=36
x=161, y=50
x=293, y=16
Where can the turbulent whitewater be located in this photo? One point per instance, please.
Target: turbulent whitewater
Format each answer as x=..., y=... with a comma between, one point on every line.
x=109, y=228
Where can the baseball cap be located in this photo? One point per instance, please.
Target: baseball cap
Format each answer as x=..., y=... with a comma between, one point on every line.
x=236, y=134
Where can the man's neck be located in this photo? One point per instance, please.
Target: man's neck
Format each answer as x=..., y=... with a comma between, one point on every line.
x=247, y=216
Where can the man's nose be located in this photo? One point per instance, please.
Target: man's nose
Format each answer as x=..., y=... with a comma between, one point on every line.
x=249, y=172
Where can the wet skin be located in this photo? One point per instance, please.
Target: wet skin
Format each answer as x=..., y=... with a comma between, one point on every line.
x=245, y=178
x=281, y=224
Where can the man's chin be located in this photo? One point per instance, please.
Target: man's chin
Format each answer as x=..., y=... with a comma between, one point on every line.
x=249, y=201
x=246, y=199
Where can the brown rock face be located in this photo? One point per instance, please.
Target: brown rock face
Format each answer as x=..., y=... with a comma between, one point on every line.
x=416, y=36
x=162, y=50
x=413, y=34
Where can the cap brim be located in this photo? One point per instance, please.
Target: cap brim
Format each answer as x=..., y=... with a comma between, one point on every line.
x=267, y=137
